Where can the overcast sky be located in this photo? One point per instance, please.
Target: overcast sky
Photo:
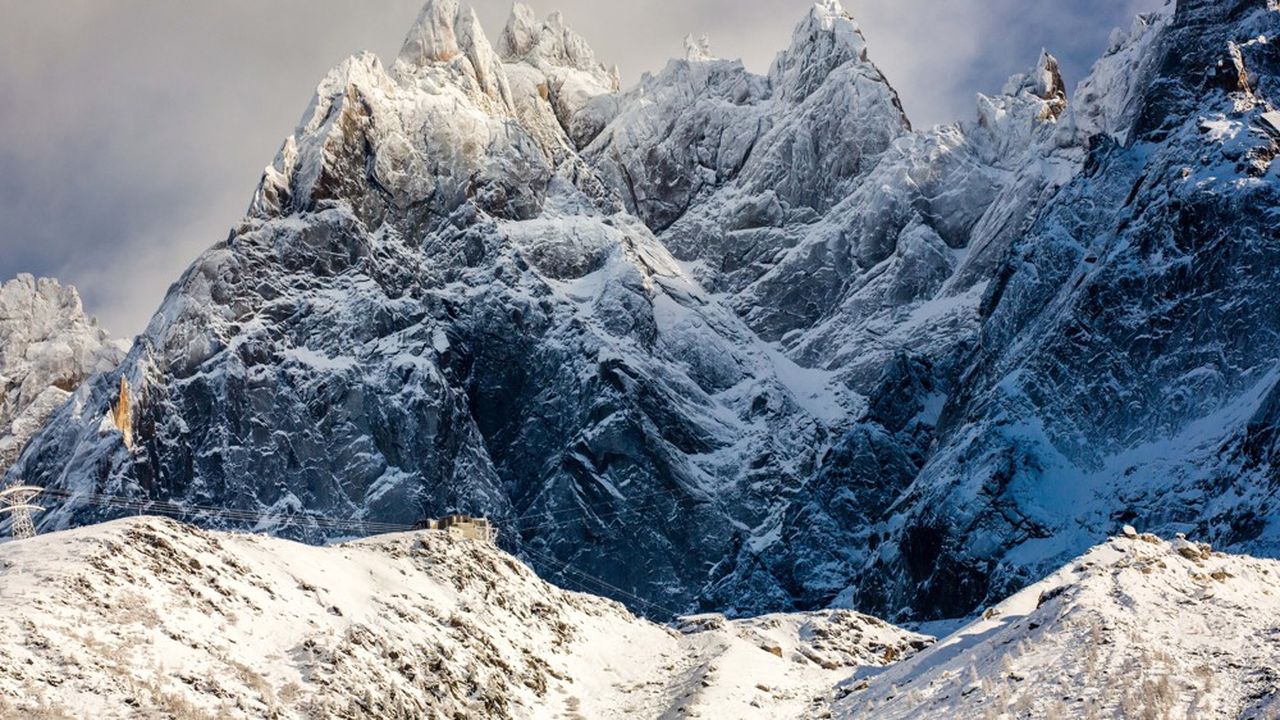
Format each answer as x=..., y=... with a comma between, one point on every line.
x=133, y=132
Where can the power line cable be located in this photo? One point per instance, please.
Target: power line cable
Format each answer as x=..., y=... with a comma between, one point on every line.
x=602, y=583
x=188, y=510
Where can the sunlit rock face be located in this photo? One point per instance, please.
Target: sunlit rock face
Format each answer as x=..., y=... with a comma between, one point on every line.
x=733, y=341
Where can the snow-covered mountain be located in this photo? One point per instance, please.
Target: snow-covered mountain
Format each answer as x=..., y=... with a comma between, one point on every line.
x=145, y=617
x=731, y=341
x=48, y=346
x=435, y=304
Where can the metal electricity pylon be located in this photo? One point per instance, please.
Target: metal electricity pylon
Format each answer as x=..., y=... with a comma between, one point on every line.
x=15, y=501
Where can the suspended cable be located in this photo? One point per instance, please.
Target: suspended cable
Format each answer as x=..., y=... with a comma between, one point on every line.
x=602, y=583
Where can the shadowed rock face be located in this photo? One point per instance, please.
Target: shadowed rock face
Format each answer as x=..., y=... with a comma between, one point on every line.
x=733, y=341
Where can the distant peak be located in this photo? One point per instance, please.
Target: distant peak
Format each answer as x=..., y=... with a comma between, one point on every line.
x=697, y=48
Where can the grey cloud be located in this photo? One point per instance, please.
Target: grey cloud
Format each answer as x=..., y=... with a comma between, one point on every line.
x=133, y=131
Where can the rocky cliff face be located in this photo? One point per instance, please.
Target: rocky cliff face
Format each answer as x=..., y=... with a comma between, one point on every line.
x=48, y=346
x=739, y=341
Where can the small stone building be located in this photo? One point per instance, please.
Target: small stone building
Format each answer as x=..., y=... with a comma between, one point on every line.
x=463, y=526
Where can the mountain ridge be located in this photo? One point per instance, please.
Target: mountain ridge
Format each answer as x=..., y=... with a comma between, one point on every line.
x=148, y=616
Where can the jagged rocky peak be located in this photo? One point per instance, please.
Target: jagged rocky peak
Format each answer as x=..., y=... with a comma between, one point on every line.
x=449, y=33
x=433, y=133
x=827, y=38
x=1048, y=78
x=1010, y=123
x=1105, y=101
x=563, y=94
x=48, y=346
x=724, y=163
x=485, y=63
x=433, y=37
x=521, y=32
x=1044, y=82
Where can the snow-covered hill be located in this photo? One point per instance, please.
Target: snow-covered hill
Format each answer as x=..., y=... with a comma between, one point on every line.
x=1137, y=627
x=146, y=617
x=48, y=346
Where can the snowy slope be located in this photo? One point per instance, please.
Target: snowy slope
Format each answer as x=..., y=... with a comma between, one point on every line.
x=147, y=617
x=1136, y=627
x=48, y=346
